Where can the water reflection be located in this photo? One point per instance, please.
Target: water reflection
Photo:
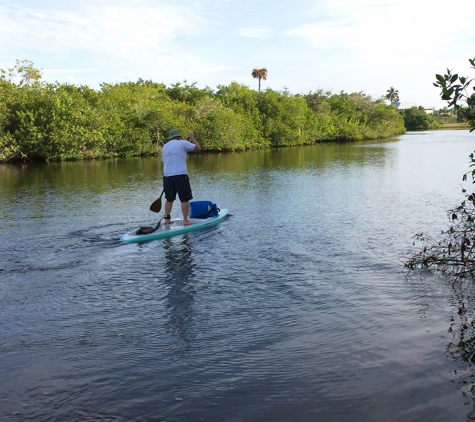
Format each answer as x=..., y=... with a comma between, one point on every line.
x=179, y=271
x=462, y=347
x=307, y=317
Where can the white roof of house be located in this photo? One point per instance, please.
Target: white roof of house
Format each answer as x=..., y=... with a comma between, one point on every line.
x=409, y=104
x=406, y=104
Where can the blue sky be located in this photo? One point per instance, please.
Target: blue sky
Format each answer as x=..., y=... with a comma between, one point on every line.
x=306, y=45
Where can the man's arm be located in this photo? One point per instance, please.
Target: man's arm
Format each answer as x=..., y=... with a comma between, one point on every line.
x=191, y=138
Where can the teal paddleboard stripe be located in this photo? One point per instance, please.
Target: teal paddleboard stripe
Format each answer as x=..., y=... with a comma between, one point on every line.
x=174, y=229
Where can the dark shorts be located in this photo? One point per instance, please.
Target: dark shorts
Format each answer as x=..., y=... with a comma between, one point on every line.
x=177, y=185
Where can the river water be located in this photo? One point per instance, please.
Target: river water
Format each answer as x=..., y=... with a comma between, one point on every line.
x=295, y=308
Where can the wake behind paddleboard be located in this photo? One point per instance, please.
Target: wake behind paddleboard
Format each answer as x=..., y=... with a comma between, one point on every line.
x=175, y=228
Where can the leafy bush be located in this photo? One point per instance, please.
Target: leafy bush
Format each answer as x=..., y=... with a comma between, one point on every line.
x=53, y=122
x=417, y=119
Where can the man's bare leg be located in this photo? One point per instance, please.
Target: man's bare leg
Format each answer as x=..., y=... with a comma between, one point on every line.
x=168, y=210
x=185, y=209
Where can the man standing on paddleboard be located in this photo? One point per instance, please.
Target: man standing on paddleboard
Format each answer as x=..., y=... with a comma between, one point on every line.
x=175, y=173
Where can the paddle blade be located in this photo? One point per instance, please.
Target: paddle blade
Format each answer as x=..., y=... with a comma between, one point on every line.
x=156, y=205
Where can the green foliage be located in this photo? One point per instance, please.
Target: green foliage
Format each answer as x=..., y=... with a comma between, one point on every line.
x=222, y=129
x=392, y=95
x=136, y=117
x=417, y=119
x=22, y=74
x=189, y=94
x=284, y=118
x=455, y=90
x=383, y=121
x=358, y=117
x=317, y=101
x=454, y=253
x=54, y=122
x=241, y=99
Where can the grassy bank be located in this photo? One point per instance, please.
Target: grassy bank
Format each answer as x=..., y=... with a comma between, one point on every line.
x=455, y=126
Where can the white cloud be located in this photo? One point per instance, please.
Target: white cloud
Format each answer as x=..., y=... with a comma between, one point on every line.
x=104, y=30
x=368, y=45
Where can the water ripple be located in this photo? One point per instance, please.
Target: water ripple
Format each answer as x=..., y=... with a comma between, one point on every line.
x=293, y=308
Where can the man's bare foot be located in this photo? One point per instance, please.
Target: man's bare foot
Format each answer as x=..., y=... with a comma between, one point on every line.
x=167, y=222
x=187, y=223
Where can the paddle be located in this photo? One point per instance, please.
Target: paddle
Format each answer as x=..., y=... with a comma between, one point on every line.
x=155, y=207
x=157, y=204
x=148, y=230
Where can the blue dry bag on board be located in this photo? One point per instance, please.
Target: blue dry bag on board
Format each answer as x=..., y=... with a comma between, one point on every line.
x=203, y=209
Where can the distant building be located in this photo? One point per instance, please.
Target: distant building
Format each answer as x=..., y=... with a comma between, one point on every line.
x=408, y=104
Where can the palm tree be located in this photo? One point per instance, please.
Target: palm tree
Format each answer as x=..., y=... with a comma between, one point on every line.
x=259, y=74
x=392, y=95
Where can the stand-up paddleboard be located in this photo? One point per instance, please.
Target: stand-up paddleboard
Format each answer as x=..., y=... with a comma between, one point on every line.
x=175, y=228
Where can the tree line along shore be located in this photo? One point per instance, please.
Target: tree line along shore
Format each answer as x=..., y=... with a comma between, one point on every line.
x=42, y=121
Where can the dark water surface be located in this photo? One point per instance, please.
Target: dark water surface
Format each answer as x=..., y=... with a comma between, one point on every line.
x=296, y=308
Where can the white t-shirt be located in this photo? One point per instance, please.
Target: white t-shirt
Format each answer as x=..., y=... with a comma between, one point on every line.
x=174, y=157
